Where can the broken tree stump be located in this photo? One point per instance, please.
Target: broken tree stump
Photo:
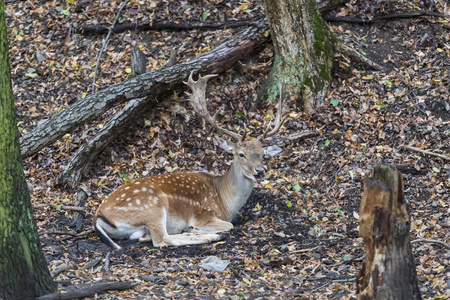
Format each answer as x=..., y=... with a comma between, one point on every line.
x=80, y=200
x=388, y=271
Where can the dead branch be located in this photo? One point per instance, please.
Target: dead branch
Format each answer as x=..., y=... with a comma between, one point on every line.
x=427, y=152
x=283, y=141
x=438, y=242
x=81, y=291
x=303, y=250
x=91, y=263
x=62, y=268
x=358, y=57
x=153, y=83
x=73, y=208
x=105, y=42
x=165, y=25
x=404, y=15
x=58, y=232
x=77, y=236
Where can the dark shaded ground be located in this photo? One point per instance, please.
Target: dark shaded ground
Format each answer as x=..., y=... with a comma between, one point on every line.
x=297, y=235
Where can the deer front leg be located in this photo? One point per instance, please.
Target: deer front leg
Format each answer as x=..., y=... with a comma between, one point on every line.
x=183, y=239
x=160, y=237
x=146, y=238
x=215, y=225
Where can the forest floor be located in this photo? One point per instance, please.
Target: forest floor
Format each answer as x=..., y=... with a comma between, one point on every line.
x=297, y=236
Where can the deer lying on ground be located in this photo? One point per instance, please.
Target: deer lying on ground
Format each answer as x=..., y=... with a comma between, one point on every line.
x=161, y=208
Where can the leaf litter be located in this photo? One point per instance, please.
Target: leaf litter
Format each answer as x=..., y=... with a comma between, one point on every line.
x=297, y=236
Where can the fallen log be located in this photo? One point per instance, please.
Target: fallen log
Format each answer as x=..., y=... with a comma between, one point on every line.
x=81, y=291
x=388, y=270
x=153, y=83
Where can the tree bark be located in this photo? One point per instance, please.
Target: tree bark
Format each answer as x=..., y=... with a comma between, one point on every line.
x=23, y=269
x=303, y=46
x=388, y=271
x=93, y=106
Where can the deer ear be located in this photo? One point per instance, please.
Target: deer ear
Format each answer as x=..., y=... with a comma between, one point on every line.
x=271, y=151
x=226, y=145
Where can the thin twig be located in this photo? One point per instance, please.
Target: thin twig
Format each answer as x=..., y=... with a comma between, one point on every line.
x=320, y=287
x=303, y=250
x=333, y=176
x=74, y=208
x=358, y=259
x=427, y=152
x=440, y=243
x=86, y=232
x=105, y=42
x=344, y=279
x=59, y=232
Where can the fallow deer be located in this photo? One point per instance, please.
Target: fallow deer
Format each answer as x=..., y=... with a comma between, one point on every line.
x=161, y=208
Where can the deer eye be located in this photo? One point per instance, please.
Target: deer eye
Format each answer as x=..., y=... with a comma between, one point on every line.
x=241, y=154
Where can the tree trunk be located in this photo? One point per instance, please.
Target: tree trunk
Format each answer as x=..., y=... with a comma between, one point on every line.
x=388, y=270
x=23, y=270
x=303, y=46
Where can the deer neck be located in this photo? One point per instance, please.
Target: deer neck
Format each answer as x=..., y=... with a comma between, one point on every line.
x=234, y=189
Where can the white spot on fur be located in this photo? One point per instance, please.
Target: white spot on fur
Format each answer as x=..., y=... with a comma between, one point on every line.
x=136, y=191
x=123, y=195
x=137, y=182
x=127, y=187
x=128, y=199
x=120, y=208
x=144, y=189
x=138, y=201
x=130, y=204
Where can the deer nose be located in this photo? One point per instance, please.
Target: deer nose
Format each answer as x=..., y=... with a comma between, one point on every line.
x=260, y=170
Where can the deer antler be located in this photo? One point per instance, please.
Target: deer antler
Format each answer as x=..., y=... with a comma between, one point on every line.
x=279, y=121
x=198, y=103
